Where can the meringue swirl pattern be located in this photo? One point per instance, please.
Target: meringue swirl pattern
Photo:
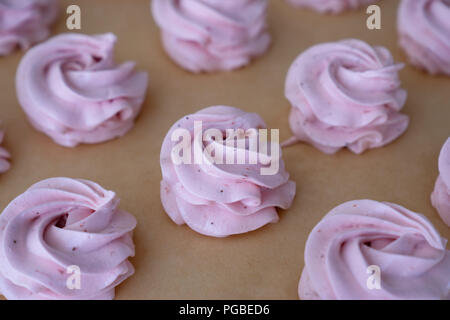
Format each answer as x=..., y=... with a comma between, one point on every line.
x=4, y=156
x=440, y=198
x=212, y=35
x=222, y=199
x=331, y=6
x=59, y=223
x=72, y=90
x=409, y=252
x=25, y=22
x=424, y=34
x=345, y=94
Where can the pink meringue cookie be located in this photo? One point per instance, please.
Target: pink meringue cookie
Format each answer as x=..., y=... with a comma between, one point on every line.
x=408, y=250
x=25, y=22
x=222, y=199
x=331, y=6
x=4, y=156
x=440, y=198
x=58, y=223
x=212, y=35
x=424, y=33
x=72, y=90
x=345, y=94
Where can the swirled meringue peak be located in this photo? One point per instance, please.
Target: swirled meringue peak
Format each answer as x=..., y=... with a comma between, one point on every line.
x=214, y=196
x=331, y=6
x=72, y=90
x=212, y=35
x=4, y=156
x=25, y=22
x=440, y=197
x=424, y=34
x=369, y=250
x=345, y=94
x=61, y=228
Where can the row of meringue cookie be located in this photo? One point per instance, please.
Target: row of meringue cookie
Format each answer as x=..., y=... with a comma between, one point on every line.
x=77, y=223
x=343, y=94
x=214, y=35
x=327, y=85
x=61, y=227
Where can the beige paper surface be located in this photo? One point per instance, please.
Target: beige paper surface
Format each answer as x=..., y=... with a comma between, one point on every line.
x=175, y=262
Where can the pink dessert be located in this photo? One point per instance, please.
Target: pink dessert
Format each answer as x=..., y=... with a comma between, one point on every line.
x=409, y=252
x=440, y=197
x=424, y=33
x=72, y=90
x=331, y=6
x=222, y=199
x=57, y=224
x=25, y=22
x=345, y=94
x=212, y=35
x=4, y=156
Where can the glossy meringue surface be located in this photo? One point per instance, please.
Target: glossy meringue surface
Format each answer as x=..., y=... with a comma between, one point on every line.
x=72, y=90
x=59, y=223
x=440, y=198
x=212, y=35
x=25, y=22
x=424, y=34
x=331, y=6
x=345, y=94
x=4, y=155
x=222, y=199
x=410, y=253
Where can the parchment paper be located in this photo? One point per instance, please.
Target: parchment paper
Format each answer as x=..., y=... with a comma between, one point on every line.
x=174, y=262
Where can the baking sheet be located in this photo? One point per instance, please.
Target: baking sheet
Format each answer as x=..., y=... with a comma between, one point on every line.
x=174, y=262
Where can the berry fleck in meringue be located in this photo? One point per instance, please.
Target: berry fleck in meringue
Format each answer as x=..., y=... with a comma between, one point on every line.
x=440, y=197
x=4, y=156
x=345, y=94
x=25, y=22
x=331, y=6
x=72, y=90
x=59, y=223
x=222, y=199
x=212, y=35
x=404, y=245
x=424, y=33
